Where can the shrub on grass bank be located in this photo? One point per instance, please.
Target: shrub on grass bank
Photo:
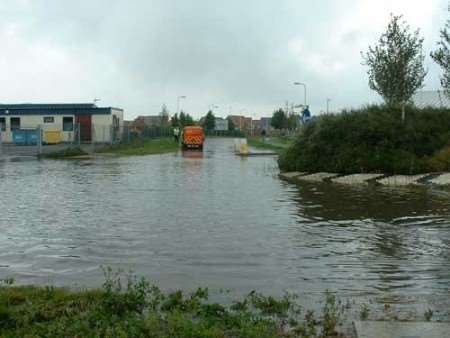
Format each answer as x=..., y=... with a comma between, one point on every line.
x=373, y=139
x=135, y=308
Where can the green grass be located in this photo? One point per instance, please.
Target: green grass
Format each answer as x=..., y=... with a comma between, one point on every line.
x=277, y=144
x=142, y=147
x=65, y=154
x=130, y=307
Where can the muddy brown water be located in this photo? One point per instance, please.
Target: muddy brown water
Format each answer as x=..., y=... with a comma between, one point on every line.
x=214, y=219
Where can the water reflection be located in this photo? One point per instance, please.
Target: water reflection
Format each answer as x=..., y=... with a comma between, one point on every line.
x=333, y=202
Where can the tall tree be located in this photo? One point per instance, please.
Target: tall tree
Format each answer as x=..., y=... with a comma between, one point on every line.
x=210, y=121
x=182, y=119
x=279, y=119
x=175, y=121
x=396, y=69
x=189, y=120
x=292, y=121
x=231, y=126
x=442, y=57
x=164, y=114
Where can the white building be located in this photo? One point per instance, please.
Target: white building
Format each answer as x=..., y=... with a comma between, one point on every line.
x=95, y=124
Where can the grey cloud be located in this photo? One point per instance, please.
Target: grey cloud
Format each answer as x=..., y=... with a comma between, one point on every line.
x=144, y=53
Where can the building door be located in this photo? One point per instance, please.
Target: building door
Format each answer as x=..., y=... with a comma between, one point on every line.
x=85, y=123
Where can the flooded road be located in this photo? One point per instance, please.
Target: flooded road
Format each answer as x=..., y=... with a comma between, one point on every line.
x=220, y=221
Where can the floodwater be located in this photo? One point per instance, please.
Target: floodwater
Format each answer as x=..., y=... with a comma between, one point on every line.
x=214, y=219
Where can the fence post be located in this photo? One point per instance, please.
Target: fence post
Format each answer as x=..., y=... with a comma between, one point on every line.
x=39, y=140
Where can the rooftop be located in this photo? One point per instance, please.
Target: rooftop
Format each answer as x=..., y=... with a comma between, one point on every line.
x=53, y=109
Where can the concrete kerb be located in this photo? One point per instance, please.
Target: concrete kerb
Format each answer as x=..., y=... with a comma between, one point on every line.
x=290, y=176
x=441, y=180
x=403, y=180
x=366, y=179
x=318, y=177
x=357, y=179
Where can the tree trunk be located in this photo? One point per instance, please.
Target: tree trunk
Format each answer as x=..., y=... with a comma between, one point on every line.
x=403, y=112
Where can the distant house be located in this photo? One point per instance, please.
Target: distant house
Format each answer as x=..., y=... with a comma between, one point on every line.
x=241, y=122
x=431, y=98
x=265, y=123
x=221, y=124
x=96, y=124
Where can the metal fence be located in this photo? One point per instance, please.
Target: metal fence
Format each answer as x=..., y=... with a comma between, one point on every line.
x=34, y=141
x=131, y=134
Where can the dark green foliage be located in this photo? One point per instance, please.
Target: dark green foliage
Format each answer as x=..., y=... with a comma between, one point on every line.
x=279, y=119
x=210, y=121
x=371, y=140
x=396, y=69
x=175, y=121
x=231, y=126
x=186, y=120
x=292, y=122
x=131, y=307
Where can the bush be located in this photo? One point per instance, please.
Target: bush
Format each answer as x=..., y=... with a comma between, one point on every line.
x=373, y=139
x=130, y=307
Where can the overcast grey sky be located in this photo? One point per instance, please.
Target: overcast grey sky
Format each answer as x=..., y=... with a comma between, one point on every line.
x=243, y=54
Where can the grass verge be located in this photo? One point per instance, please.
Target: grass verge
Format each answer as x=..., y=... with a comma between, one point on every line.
x=130, y=307
x=142, y=147
x=65, y=154
x=276, y=144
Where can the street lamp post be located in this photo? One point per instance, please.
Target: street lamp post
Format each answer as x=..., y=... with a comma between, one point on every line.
x=304, y=86
x=178, y=103
x=328, y=105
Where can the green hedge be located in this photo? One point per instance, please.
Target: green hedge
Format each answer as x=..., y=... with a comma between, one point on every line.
x=372, y=139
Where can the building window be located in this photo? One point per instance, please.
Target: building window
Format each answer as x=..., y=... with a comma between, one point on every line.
x=49, y=119
x=15, y=123
x=67, y=123
x=2, y=124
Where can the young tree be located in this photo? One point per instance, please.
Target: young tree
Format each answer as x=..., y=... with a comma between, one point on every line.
x=292, y=121
x=279, y=119
x=396, y=69
x=175, y=121
x=164, y=114
x=182, y=119
x=442, y=57
x=189, y=121
x=210, y=121
x=231, y=126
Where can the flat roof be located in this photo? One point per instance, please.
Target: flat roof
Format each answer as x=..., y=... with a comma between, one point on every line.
x=54, y=109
